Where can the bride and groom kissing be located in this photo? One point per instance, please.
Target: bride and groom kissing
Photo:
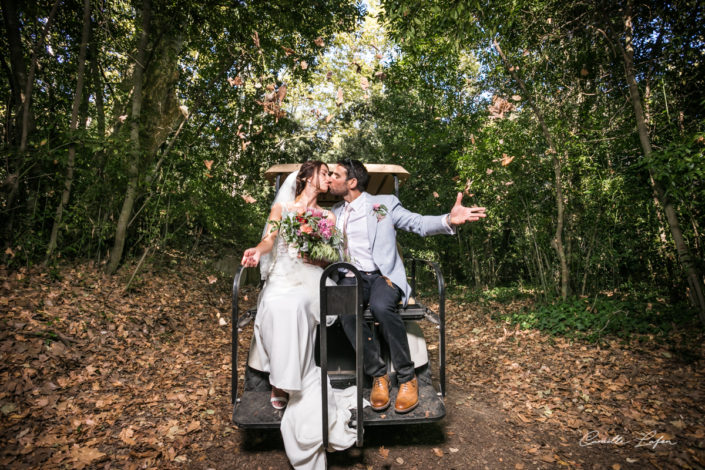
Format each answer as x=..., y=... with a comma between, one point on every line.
x=289, y=304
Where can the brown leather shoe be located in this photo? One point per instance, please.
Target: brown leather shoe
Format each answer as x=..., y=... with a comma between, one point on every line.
x=408, y=396
x=379, y=396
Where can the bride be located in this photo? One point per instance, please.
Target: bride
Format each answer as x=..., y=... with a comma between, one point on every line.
x=285, y=327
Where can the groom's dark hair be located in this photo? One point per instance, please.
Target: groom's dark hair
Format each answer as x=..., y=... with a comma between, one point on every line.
x=357, y=170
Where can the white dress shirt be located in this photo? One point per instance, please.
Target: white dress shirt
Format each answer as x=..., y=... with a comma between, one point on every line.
x=358, y=241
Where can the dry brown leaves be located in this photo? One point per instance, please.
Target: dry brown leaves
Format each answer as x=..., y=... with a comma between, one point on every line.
x=91, y=374
x=499, y=107
x=637, y=391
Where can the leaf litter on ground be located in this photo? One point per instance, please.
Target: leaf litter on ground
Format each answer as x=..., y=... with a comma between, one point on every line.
x=91, y=373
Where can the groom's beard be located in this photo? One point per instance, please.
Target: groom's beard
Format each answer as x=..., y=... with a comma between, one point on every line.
x=335, y=192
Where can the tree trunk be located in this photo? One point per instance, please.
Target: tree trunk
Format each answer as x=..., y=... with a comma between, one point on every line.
x=133, y=170
x=26, y=84
x=97, y=84
x=66, y=194
x=29, y=85
x=694, y=280
x=557, y=241
x=18, y=68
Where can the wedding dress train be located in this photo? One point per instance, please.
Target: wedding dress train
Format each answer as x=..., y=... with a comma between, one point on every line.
x=284, y=334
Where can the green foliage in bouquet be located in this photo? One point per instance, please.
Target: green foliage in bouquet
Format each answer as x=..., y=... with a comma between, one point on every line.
x=312, y=234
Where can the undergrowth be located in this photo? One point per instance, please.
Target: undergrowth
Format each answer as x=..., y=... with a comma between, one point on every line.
x=594, y=318
x=627, y=316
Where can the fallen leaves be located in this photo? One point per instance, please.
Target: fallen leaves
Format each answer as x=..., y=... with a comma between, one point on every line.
x=364, y=83
x=84, y=456
x=126, y=436
x=339, y=97
x=506, y=159
x=255, y=39
x=117, y=390
x=237, y=81
x=499, y=107
x=569, y=388
x=146, y=377
x=272, y=103
x=281, y=93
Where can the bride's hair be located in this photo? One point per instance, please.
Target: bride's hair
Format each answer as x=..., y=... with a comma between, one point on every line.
x=308, y=169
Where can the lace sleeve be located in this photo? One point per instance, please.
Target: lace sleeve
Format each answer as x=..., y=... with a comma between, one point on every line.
x=286, y=194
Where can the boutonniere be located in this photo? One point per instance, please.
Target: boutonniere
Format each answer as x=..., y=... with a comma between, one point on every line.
x=380, y=211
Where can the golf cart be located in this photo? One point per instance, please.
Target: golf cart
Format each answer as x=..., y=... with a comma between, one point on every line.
x=334, y=353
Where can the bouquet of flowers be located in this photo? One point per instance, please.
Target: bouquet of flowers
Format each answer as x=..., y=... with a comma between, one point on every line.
x=311, y=234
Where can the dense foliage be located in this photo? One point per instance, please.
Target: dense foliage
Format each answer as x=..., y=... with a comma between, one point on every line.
x=531, y=108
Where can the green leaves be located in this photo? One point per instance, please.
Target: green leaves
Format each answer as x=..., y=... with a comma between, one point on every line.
x=596, y=318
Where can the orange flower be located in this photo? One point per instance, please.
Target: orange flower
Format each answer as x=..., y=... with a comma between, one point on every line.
x=306, y=228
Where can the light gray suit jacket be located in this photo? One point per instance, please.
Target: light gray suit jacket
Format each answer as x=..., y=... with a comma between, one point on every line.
x=382, y=234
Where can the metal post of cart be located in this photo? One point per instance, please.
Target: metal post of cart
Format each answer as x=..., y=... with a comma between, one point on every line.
x=234, y=339
x=341, y=300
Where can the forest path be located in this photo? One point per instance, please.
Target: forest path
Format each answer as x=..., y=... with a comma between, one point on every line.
x=95, y=377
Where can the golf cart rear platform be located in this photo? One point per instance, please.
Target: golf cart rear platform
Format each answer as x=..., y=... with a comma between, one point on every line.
x=338, y=360
x=252, y=408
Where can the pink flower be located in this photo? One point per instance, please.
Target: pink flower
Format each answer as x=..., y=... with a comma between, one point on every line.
x=380, y=210
x=325, y=228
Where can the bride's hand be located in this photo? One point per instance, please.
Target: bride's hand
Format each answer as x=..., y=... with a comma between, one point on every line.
x=320, y=263
x=250, y=258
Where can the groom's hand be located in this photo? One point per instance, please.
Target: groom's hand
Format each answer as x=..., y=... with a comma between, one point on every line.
x=460, y=214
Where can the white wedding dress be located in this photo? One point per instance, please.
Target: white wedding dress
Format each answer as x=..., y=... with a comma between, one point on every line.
x=284, y=335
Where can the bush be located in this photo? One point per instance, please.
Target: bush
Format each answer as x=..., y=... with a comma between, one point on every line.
x=593, y=318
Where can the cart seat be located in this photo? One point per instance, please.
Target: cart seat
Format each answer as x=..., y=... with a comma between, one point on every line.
x=412, y=311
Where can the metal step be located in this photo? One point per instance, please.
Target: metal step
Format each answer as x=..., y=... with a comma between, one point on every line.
x=254, y=411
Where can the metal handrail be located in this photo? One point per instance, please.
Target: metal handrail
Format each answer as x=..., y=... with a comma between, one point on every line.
x=323, y=347
x=237, y=280
x=441, y=316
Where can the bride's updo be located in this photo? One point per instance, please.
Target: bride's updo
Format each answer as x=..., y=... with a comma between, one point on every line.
x=308, y=169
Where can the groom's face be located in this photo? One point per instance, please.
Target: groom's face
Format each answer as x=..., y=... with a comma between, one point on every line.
x=338, y=181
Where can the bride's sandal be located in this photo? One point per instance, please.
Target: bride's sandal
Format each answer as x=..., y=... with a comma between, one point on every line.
x=279, y=402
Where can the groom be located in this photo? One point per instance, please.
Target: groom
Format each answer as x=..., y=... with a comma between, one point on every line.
x=369, y=224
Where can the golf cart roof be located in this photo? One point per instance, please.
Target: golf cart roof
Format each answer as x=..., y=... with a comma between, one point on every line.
x=382, y=176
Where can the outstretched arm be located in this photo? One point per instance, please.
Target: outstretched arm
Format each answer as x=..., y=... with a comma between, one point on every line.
x=251, y=256
x=426, y=225
x=460, y=214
